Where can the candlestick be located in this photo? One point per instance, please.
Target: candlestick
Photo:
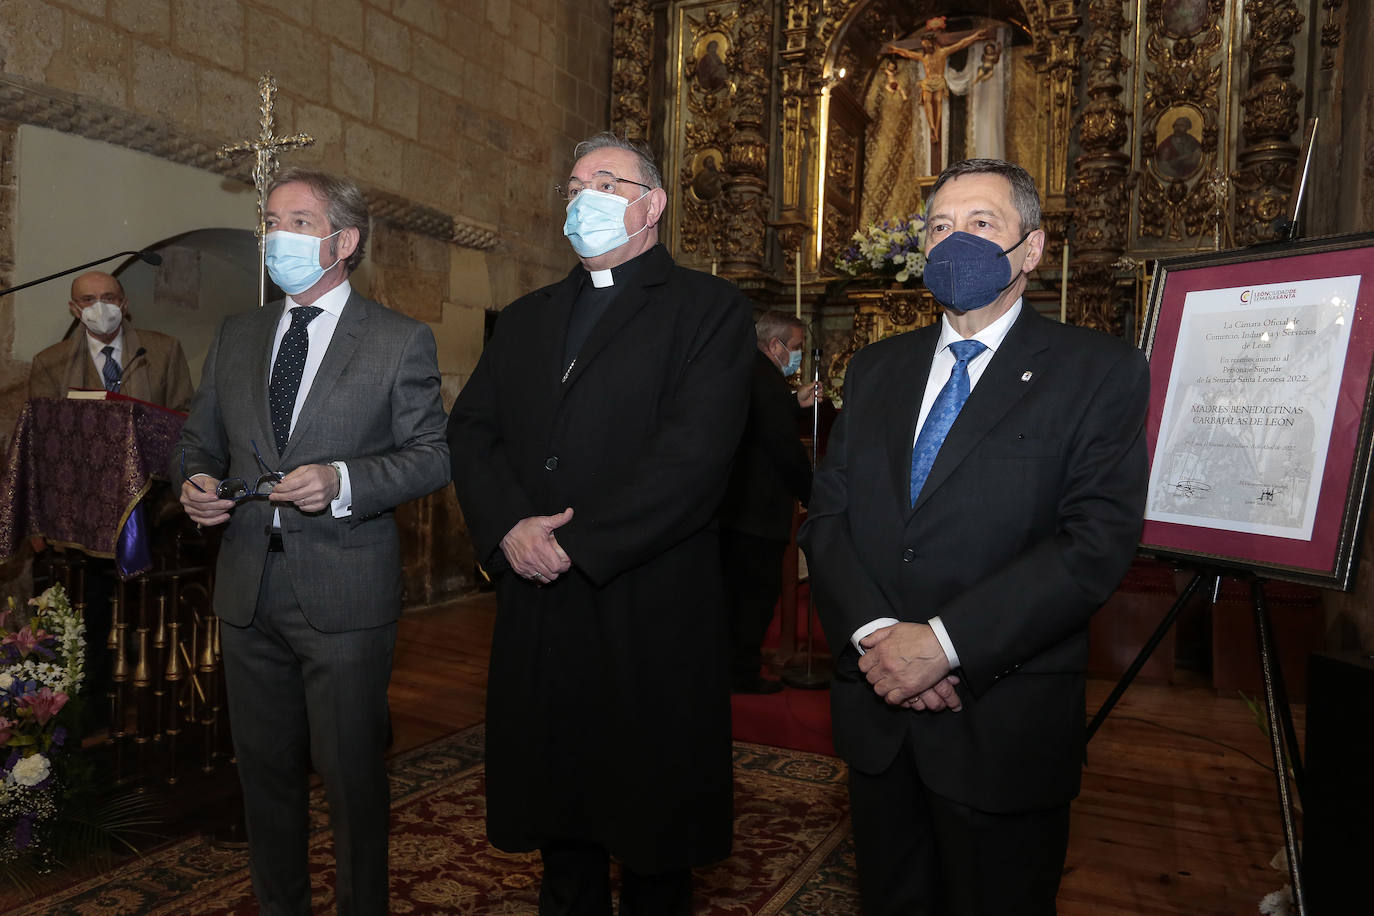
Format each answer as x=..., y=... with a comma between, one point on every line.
x=798, y=263
x=1064, y=287
x=713, y=267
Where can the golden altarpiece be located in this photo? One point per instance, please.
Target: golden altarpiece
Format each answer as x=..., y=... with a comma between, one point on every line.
x=1152, y=127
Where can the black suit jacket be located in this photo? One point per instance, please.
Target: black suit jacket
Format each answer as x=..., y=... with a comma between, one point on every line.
x=1026, y=524
x=771, y=468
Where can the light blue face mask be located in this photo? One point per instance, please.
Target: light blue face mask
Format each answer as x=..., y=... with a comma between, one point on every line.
x=596, y=222
x=293, y=260
x=793, y=365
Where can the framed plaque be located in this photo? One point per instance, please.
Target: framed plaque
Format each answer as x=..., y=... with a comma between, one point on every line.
x=1259, y=424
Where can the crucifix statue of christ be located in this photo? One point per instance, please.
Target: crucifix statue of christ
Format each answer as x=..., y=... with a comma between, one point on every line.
x=936, y=48
x=265, y=149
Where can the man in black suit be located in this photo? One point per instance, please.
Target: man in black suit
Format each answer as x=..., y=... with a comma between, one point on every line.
x=981, y=497
x=590, y=450
x=771, y=471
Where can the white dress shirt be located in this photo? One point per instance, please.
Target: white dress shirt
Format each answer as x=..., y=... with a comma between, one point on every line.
x=320, y=332
x=940, y=368
x=95, y=346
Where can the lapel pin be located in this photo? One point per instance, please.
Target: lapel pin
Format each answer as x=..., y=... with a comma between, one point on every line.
x=1026, y=376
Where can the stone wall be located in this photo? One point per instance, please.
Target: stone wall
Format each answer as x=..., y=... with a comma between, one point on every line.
x=469, y=107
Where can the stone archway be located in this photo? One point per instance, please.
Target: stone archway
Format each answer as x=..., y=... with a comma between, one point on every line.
x=78, y=199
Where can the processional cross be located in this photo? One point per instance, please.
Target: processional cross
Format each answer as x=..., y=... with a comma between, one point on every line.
x=264, y=149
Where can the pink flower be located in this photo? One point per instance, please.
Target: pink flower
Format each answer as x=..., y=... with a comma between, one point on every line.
x=6, y=729
x=25, y=640
x=45, y=704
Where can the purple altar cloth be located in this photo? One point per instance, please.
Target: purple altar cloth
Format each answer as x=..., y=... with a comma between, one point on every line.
x=76, y=471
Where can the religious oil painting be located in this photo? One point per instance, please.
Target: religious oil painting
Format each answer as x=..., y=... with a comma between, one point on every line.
x=1185, y=18
x=1178, y=143
x=707, y=175
x=710, y=73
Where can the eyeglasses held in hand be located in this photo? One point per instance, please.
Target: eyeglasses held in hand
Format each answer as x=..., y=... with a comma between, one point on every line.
x=236, y=488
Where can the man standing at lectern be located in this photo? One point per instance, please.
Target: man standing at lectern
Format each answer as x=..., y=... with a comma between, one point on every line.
x=316, y=417
x=981, y=497
x=107, y=352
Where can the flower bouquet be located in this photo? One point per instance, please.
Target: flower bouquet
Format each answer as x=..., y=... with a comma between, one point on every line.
x=891, y=249
x=41, y=656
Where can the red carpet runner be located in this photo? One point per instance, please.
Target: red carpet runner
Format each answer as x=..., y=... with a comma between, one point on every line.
x=794, y=718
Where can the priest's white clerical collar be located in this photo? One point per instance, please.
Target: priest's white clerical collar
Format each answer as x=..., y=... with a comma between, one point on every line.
x=602, y=278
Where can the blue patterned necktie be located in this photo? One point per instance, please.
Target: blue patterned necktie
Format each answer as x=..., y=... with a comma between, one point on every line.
x=110, y=372
x=286, y=372
x=947, y=405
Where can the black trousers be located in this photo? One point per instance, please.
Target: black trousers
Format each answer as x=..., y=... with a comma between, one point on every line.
x=299, y=696
x=752, y=569
x=577, y=882
x=919, y=854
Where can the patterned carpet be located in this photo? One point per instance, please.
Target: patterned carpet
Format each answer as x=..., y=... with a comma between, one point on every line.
x=792, y=851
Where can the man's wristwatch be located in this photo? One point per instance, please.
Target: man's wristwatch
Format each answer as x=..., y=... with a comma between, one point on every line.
x=338, y=480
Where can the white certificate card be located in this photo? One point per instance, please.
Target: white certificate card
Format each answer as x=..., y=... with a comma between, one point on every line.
x=1248, y=414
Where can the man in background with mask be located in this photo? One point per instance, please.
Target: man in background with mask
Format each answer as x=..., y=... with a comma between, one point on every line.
x=109, y=353
x=771, y=470
x=590, y=450
x=316, y=417
x=981, y=497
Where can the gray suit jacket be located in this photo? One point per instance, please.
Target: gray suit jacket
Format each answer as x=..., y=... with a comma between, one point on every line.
x=374, y=405
x=154, y=369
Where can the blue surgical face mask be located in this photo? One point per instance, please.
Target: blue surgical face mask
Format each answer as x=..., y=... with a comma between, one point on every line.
x=596, y=222
x=966, y=272
x=793, y=364
x=293, y=260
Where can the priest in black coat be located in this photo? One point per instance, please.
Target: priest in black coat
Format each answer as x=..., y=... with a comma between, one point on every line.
x=590, y=450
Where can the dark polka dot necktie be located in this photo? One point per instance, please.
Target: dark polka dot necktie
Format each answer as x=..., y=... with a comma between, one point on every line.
x=110, y=372
x=942, y=414
x=286, y=372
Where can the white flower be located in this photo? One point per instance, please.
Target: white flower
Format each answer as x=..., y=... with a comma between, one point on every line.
x=6, y=680
x=30, y=771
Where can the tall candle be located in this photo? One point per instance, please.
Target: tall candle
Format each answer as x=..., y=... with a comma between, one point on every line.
x=798, y=263
x=1064, y=286
x=713, y=267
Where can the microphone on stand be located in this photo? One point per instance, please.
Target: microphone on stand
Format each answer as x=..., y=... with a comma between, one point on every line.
x=811, y=677
x=124, y=373
x=147, y=257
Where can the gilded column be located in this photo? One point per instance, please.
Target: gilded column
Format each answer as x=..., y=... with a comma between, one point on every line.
x=1101, y=186
x=746, y=151
x=1059, y=68
x=1265, y=166
x=632, y=33
x=794, y=212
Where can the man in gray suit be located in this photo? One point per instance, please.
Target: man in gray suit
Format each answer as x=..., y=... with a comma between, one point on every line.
x=315, y=418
